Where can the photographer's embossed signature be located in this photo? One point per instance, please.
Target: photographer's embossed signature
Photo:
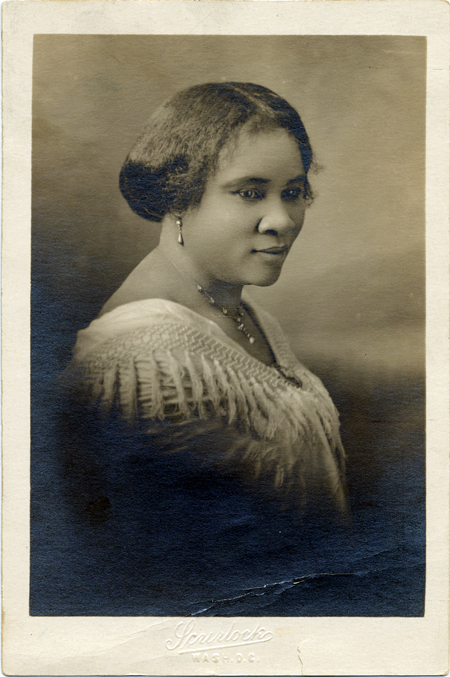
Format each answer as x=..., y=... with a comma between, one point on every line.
x=187, y=638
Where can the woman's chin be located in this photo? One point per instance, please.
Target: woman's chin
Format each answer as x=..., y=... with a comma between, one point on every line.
x=266, y=279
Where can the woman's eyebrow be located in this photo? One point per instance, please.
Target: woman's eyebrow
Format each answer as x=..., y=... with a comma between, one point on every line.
x=301, y=177
x=241, y=180
x=247, y=179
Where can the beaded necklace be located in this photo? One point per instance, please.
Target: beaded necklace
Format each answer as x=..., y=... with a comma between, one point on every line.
x=238, y=318
x=237, y=315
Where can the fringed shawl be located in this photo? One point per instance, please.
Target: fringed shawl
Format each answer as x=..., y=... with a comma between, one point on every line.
x=157, y=361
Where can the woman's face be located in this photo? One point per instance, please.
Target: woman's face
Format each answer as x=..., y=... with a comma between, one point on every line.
x=251, y=211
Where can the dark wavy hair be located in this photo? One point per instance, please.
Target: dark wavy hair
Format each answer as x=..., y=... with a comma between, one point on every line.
x=167, y=168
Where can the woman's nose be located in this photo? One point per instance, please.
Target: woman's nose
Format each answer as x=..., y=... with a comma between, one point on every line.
x=276, y=220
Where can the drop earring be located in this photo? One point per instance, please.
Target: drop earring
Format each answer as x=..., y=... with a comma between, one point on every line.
x=180, y=234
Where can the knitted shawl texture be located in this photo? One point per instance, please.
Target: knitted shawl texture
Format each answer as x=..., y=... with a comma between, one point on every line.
x=161, y=366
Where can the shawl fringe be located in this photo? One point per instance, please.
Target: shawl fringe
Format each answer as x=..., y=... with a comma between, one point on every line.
x=288, y=431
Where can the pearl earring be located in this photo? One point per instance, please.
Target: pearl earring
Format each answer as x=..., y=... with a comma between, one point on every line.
x=180, y=234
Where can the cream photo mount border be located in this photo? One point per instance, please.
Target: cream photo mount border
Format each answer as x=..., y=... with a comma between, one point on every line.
x=141, y=645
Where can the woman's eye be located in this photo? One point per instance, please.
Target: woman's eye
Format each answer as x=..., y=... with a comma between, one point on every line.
x=292, y=193
x=251, y=194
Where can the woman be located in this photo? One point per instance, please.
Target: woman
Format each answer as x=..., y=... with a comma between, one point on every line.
x=183, y=364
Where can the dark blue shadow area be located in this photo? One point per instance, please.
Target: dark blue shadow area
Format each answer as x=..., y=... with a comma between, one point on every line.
x=119, y=530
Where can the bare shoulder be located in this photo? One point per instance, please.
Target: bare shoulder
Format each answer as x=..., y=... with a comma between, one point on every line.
x=148, y=280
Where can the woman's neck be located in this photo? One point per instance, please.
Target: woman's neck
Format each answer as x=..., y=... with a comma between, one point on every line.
x=170, y=275
x=167, y=272
x=185, y=275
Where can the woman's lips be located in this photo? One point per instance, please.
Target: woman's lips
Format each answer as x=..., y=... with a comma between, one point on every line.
x=272, y=256
x=272, y=251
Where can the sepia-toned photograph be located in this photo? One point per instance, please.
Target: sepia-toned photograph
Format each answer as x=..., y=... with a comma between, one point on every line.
x=228, y=277
x=225, y=394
